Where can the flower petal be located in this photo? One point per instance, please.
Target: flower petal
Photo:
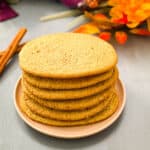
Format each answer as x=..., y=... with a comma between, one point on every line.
x=121, y=37
x=140, y=31
x=89, y=28
x=105, y=36
x=122, y=20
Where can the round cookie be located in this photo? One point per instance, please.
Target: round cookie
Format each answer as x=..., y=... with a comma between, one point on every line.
x=67, y=55
x=110, y=109
x=67, y=115
x=51, y=83
x=77, y=104
x=70, y=94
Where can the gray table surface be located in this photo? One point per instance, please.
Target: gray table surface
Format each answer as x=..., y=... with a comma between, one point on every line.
x=130, y=132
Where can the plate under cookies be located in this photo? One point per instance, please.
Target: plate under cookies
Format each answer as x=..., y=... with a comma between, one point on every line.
x=76, y=131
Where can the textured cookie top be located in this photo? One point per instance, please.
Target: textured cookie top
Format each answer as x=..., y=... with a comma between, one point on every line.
x=67, y=55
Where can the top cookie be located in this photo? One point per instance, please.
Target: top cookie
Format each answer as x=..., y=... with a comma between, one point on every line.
x=67, y=55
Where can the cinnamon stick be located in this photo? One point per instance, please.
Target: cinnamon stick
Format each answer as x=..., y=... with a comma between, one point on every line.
x=17, y=50
x=12, y=48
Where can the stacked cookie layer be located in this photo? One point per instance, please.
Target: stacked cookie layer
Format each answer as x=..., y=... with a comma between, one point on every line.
x=68, y=79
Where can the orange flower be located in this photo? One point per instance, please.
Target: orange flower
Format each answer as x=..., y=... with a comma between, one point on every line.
x=135, y=11
x=105, y=36
x=121, y=37
x=92, y=3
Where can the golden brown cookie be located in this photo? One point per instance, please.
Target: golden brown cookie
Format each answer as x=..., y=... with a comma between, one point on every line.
x=67, y=55
x=70, y=94
x=110, y=109
x=51, y=83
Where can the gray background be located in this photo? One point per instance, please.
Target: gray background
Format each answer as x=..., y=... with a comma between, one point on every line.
x=130, y=132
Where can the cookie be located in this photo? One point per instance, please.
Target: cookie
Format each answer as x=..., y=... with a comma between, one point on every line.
x=67, y=55
x=51, y=83
x=70, y=94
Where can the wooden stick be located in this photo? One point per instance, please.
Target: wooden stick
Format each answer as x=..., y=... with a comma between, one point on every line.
x=18, y=49
x=12, y=48
x=63, y=14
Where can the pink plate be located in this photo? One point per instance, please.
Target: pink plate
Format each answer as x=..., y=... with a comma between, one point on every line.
x=72, y=132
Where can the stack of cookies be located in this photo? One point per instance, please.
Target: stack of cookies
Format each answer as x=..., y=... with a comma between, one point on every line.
x=68, y=79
